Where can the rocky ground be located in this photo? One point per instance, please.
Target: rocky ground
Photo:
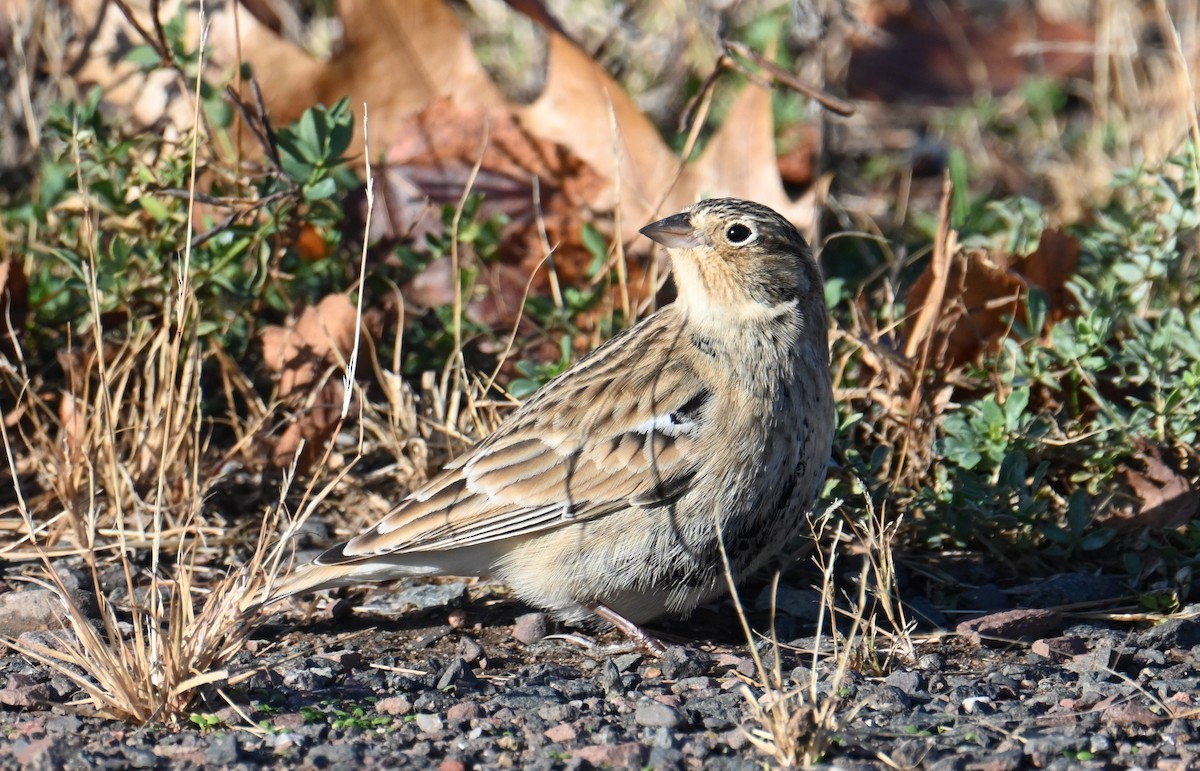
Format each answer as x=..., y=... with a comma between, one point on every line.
x=453, y=675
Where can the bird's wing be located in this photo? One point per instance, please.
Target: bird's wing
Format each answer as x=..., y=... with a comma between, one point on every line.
x=619, y=429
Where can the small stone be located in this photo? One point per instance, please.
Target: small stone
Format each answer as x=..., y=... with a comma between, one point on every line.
x=1058, y=649
x=139, y=757
x=693, y=684
x=335, y=756
x=558, y=713
x=998, y=761
x=612, y=755
x=465, y=710
x=1009, y=625
x=31, y=610
x=532, y=697
x=610, y=679
x=430, y=724
x=64, y=724
x=1174, y=632
x=432, y=636
x=425, y=596
x=393, y=705
x=458, y=674
x=1099, y=659
x=735, y=739
x=561, y=733
x=531, y=627
x=747, y=667
x=679, y=662
x=907, y=681
x=653, y=714
x=452, y=765
x=22, y=691
x=33, y=753
x=469, y=649
x=457, y=618
x=222, y=750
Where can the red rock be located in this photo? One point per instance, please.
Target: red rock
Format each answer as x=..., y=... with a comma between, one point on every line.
x=393, y=705
x=1131, y=714
x=561, y=733
x=531, y=627
x=21, y=691
x=465, y=710
x=33, y=753
x=1058, y=648
x=1010, y=625
x=614, y=755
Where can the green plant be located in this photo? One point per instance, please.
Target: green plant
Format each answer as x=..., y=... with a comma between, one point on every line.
x=206, y=721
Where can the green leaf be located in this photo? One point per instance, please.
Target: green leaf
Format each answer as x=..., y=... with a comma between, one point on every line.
x=154, y=207
x=144, y=57
x=595, y=245
x=321, y=189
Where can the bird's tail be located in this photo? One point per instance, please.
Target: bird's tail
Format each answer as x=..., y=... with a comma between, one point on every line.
x=308, y=578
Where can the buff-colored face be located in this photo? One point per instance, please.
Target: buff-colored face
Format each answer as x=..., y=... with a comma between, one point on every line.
x=727, y=252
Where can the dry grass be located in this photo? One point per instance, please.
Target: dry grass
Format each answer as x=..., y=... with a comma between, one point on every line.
x=127, y=469
x=795, y=724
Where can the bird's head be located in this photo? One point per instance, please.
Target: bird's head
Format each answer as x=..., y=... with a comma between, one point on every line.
x=738, y=259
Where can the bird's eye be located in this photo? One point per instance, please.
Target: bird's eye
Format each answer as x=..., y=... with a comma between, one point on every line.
x=738, y=233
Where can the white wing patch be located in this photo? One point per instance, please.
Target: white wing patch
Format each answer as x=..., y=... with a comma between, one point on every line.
x=672, y=424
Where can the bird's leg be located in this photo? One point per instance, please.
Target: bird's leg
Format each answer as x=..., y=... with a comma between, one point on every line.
x=631, y=630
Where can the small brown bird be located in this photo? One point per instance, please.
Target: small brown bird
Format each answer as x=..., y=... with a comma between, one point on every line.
x=601, y=496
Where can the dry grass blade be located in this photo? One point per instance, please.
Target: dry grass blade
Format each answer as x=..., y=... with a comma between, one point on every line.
x=796, y=724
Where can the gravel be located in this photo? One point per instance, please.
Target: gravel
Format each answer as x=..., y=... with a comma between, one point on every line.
x=410, y=691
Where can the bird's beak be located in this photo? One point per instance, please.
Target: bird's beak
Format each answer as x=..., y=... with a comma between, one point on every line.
x=675, y=232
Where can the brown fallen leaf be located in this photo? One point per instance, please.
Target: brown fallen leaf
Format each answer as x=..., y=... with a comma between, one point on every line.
x=1166, y=499
x=740, y=161
x=949, y=55
x=308, y=356
x=400, y=56
x=396, y=56
x=582, y=107
x=984, y=291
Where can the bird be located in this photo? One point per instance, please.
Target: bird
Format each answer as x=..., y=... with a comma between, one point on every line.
x=607, y=497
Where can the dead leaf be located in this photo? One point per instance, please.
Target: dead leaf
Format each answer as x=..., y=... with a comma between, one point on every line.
x=585, y=109
x=1166, y=498
x=739, y=161
x=308, y=356
x=396, y=56
x=983, y=293
x=930, y=52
